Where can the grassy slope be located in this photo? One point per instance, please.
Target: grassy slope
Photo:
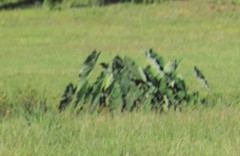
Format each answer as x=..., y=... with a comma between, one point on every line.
x=44, y=50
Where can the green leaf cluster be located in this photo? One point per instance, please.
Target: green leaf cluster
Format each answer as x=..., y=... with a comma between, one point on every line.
x=124, y=86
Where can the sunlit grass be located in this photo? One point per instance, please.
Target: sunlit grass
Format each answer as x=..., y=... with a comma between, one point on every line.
x=47, y=48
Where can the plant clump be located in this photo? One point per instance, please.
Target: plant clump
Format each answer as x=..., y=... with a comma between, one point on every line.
x=124, y=86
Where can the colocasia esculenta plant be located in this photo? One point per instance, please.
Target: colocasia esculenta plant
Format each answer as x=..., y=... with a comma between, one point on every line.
x=123, y=86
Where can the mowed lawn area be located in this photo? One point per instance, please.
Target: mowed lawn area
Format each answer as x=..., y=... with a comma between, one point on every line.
x=43, y=50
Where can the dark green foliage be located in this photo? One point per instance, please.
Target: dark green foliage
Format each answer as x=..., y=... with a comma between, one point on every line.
x=82, y=90
x=200, y=76
x=67, y=96
x=124, y=86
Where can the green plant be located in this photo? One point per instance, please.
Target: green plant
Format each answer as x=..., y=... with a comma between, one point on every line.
x=125, y=86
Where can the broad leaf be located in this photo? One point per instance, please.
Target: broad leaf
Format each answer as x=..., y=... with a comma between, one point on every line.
x=200, y=76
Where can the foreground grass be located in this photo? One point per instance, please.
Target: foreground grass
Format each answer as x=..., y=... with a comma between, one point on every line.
x=200, y=132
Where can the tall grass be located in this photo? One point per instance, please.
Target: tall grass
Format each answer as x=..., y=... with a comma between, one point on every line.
x=200, y=132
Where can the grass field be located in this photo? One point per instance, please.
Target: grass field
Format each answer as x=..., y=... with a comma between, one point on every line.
x=44, y=50
x=208, y=132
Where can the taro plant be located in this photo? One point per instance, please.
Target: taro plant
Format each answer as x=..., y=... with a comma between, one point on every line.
x=123, y=86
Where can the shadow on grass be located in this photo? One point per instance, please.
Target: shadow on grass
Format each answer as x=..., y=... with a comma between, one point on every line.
x=18, y=4
x=21, y=4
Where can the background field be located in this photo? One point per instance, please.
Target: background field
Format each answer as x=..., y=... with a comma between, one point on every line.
x=44, y=50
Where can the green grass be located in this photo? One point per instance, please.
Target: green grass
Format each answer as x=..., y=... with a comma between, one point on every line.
x=199, y=132
x=44, y=50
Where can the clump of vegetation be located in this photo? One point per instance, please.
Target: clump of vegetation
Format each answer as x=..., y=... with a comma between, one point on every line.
x=125, y=86
x=26, y=102
x=29, y=102
x=5, y=108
